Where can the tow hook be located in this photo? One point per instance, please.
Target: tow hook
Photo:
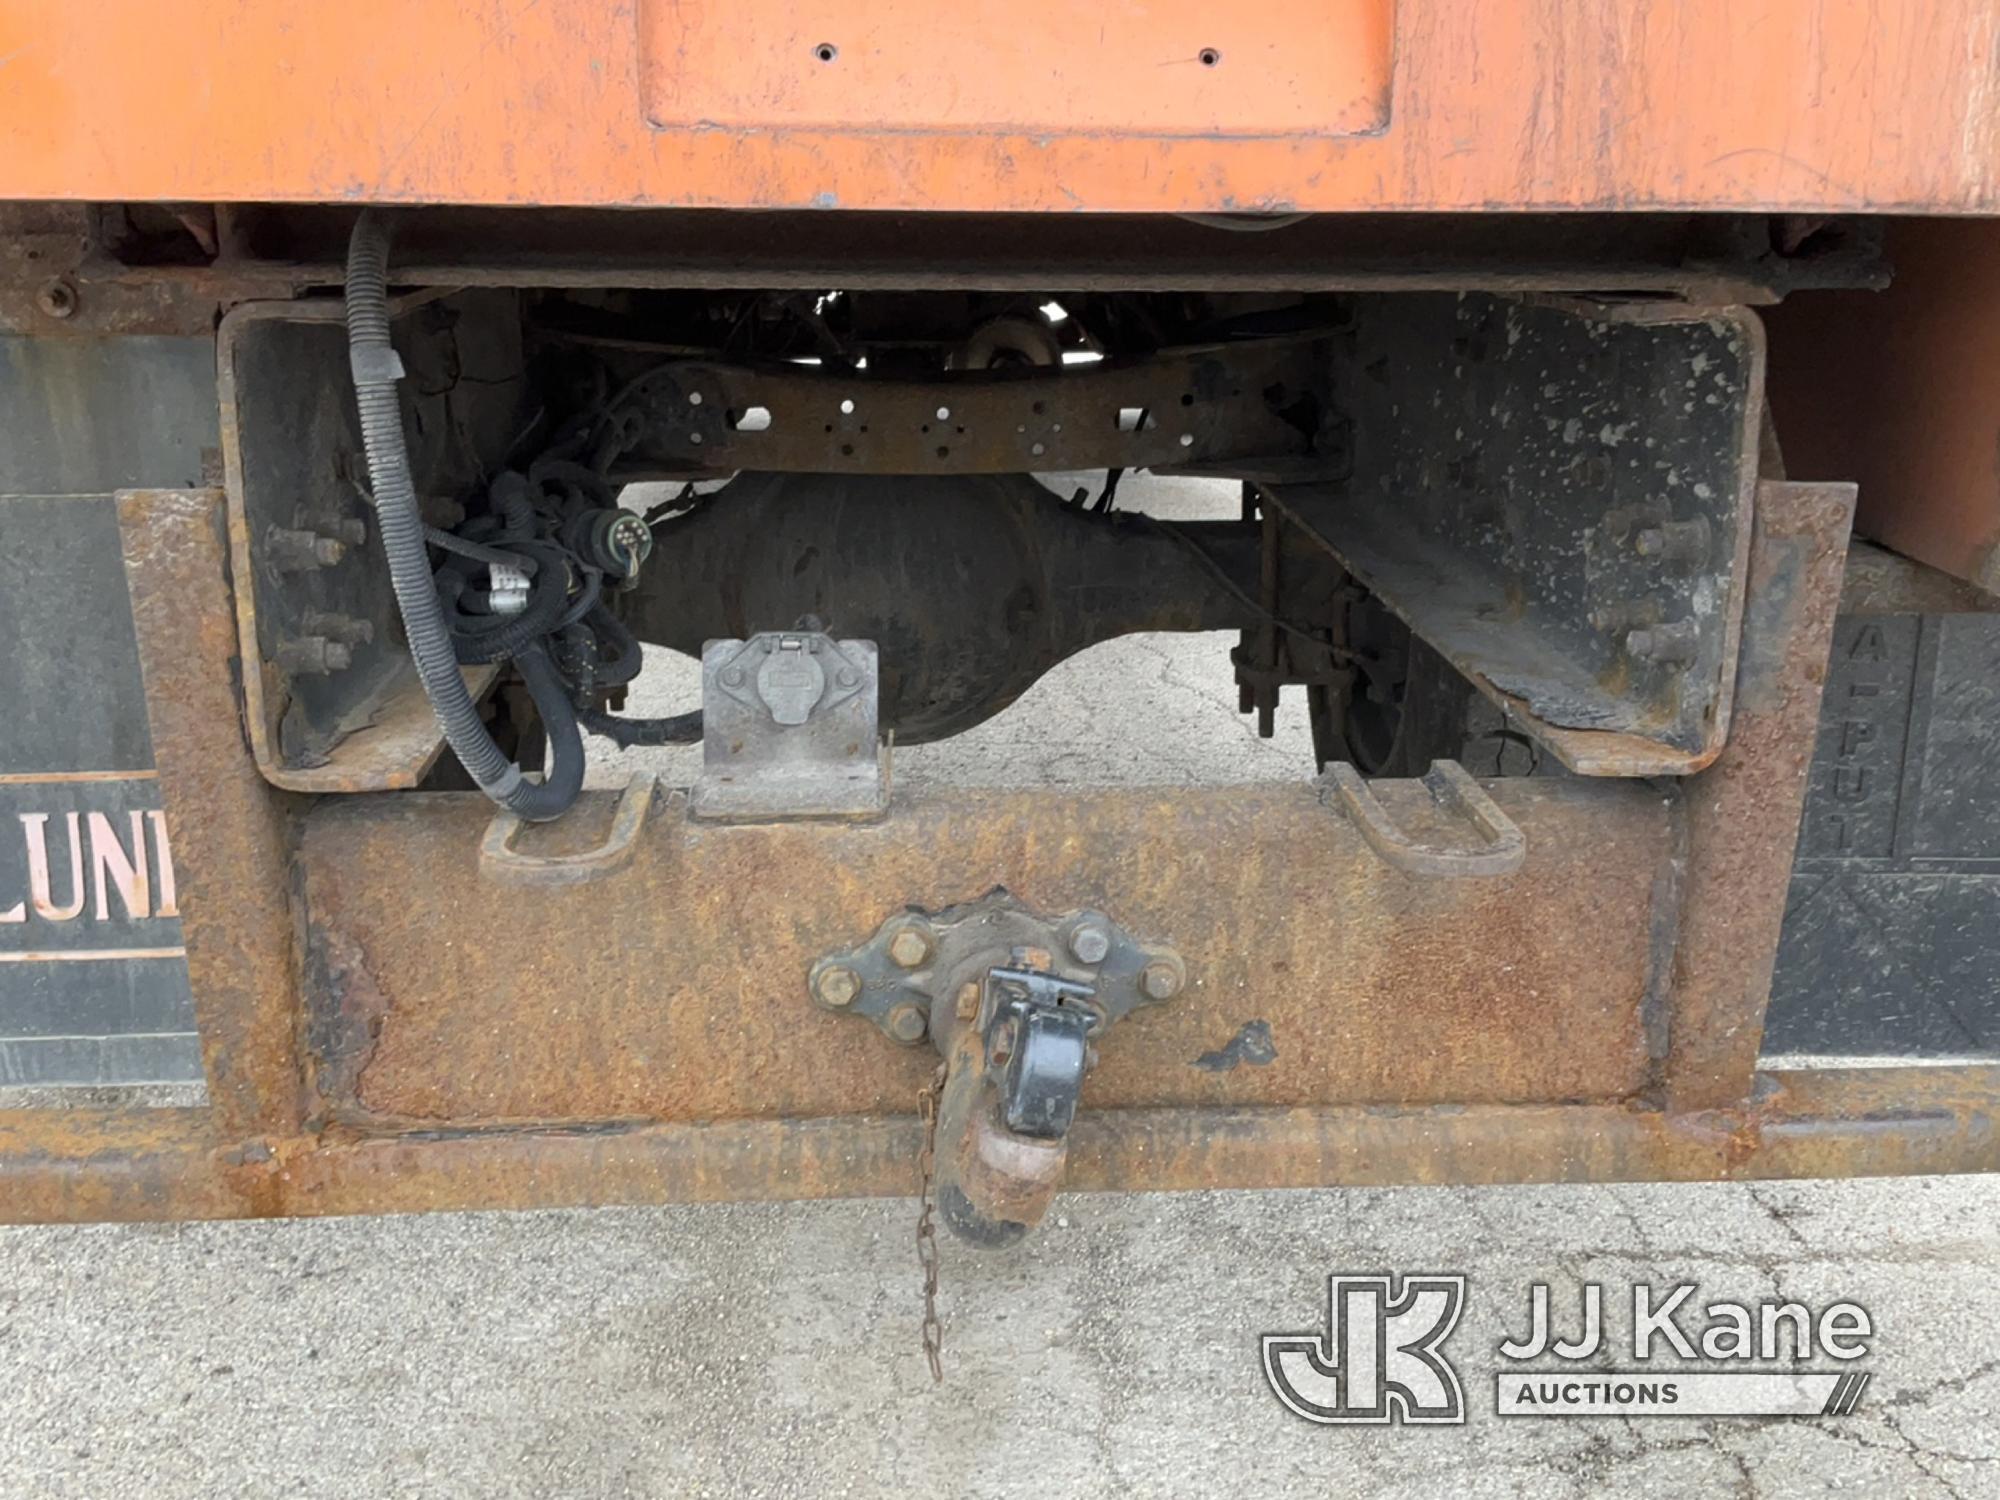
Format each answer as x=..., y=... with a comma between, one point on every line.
x=1017, y=1004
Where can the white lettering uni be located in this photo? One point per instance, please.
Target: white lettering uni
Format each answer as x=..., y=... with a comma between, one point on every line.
x=1663, y=1324
x=101, y=869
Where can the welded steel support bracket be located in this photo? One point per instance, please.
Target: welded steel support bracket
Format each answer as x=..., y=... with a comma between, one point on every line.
x=1742, y=813
x=331, y=700
x=1556, y=497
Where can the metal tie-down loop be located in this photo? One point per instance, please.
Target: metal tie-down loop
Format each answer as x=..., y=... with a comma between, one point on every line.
x=1453, y=788
x=500, y=860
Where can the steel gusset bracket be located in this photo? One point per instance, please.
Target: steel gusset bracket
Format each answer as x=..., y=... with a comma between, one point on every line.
x=1016, y=1003
x=1557, y=497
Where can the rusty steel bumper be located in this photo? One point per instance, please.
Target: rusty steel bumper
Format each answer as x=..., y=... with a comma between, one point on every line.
x=401, y=1012
x=171, y=1164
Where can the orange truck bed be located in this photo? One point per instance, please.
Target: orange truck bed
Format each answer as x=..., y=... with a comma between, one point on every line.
x=1170, y=106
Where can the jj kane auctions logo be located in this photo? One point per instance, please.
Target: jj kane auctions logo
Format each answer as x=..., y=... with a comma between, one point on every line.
x=1381, y=1357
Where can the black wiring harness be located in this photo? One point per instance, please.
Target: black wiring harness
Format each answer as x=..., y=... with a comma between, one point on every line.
x=557, y=525
x=520, y=581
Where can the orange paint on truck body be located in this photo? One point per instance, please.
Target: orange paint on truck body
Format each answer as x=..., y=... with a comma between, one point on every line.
x=1147, y=105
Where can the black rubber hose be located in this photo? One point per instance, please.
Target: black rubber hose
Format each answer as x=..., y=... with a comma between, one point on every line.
x=551, y=694
x=490, y=637
x=513, y=501
x=579, y=477
x=437, y=536
x=586, y=599
x=681, y=729
x=626, y=665
x=372, y=357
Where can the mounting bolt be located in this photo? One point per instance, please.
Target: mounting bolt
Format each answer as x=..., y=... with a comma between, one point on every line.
x=1090, y=943
x=295, y=551
x=837, y=987
x=1667, y=644
x=732, y=676
x=910, y=947
x=313, y=655
x=1162, y=980
x=1684, y=543
x=58, y=298
x=1625, y=614
x=907, y=1023
x=338, y=627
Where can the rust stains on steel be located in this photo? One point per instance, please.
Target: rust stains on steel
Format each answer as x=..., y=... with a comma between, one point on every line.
x=166, y=1164
x=675, y=988
x=1743, y=811
x=341, y=1031
x=230, y=829
x=1253, y=1045
x=993, y=1183
x=80, y=1166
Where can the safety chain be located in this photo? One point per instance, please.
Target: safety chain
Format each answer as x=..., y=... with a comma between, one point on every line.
x=927, y=1245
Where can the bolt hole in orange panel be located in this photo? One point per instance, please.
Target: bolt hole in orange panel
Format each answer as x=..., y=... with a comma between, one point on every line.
x=1187, y=68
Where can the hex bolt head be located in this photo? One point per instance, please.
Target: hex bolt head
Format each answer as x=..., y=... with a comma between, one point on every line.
x=347, y=629
x=1625, y=614
x=1683, y=543
x=910, y=947
x=837, y=987
x=907, y=1023
x=1161, y=980
x=313, y=655
x=292, y=550
x=732, y=676
x=1090, y=943
x=1670, y=645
